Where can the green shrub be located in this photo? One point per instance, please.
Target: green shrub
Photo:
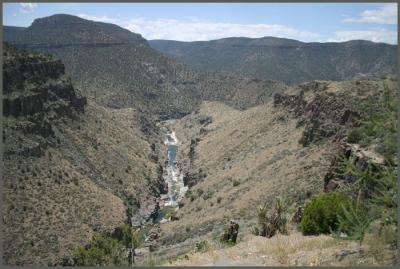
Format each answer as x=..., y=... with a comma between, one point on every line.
x=200, y=192
x=236, y=183
x=103, y=251
x=202, y=246
x=355, y=136
x=130, y=237
x=321, y=213
x=169, y=211
x=207, y=195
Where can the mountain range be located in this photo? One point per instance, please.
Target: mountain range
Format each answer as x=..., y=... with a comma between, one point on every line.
x=282, y=59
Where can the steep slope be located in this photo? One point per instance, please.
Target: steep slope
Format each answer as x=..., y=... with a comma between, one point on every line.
x=235, y=161
x=119, y=69
x=282, y=59
x=71, y=167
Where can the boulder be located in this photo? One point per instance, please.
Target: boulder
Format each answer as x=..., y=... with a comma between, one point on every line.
x=142, y=251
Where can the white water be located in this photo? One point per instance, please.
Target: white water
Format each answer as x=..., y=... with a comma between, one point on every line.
x=173, y=176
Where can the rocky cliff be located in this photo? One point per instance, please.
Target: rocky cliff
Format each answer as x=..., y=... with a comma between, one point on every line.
x=37, y=90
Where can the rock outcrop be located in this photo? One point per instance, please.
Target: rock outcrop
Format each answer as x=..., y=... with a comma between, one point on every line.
x=324, y=114
x=358, y=156
x=37, y=90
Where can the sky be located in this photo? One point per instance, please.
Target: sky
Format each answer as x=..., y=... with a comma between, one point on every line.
x=308, y=22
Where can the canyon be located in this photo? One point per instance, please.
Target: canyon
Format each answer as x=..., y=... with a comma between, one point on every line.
x=100, y=130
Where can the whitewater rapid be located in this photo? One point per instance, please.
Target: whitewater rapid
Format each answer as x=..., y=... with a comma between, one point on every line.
x=173, y=176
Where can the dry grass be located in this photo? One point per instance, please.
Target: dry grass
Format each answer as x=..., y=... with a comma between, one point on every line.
x=281, y=250
x=377, y=250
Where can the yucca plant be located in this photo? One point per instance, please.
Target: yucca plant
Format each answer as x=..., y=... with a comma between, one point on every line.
x=353, y=221
x=280, y=214
x=262, y=211
x=277, y=220
x=385, y=189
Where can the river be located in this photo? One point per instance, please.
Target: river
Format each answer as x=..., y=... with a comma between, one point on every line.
x=172, y=175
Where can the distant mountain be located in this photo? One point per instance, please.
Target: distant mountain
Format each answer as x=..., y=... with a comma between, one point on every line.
x=67, y=29
x=283, y=59
x=119, y=69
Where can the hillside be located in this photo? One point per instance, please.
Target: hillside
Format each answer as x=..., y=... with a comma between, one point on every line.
x=233, y=161
x=282, y=59
x=72, y=167
x=119, y=69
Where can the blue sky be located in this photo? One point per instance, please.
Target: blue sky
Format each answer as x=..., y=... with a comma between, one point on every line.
x=205, y=21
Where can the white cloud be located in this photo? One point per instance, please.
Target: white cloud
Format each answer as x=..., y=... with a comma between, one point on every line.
x=386, y=14
x=27, y=7
x=197, y=30
x=97, y=18
x=375, y=35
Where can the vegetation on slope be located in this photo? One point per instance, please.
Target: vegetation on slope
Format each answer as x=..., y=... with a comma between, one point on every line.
x=367, y=207
x=109, y=250
x=283, y=59
x=70, y=168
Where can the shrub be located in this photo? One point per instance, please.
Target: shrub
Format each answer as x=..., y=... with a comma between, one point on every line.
x=207, y=195
x=236, y=183
x=321, y=213
x=169, y=211
x=355, y=136
x=103, y=250
x=202, y=246
x=200, y=192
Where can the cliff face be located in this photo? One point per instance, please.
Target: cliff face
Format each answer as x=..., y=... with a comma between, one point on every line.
x=37, y=90
x=71, y=167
